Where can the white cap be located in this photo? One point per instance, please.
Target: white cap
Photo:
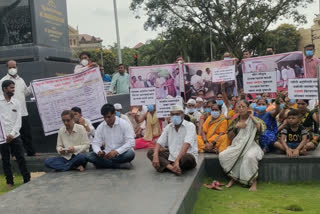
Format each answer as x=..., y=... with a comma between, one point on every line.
x=118, y=106
x=199, y=99
x=169, y=97
x=176, y=108
x=192, y=102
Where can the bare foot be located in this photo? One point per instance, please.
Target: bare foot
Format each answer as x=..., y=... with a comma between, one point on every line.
x=80, y=168
x=171, y=168
x=303, y=151
x=253, y=187
x=230, y=183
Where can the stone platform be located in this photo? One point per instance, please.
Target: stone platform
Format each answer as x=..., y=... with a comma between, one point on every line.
x=140, y=190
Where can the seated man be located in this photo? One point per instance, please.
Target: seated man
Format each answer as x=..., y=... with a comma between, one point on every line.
x=118, y=137
x=293, y=136
x=86, y=123
x=72, y=142
x=180, y=138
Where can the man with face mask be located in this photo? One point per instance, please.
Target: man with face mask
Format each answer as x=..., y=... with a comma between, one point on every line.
x=85, y=63
x=311, y=61
x=10, y=116
x=180, y=138
x=192, y=111
x=120, y=82
x=21, y=92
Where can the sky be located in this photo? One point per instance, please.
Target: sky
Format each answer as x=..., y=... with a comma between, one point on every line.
x=96, y=17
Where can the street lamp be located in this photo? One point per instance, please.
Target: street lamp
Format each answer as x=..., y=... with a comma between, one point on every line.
x=117, y=30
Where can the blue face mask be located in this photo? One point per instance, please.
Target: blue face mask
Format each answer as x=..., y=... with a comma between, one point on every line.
x=150, y=108
x=191, y=110
x=198, y=109
x=176, y=120
x=309, y=53
x=281, y=106
x=220, y=102
x=215, y=114
x=207, y=110
x=292, y=101
x=269, y=100
x=118, y=114
x=258, y=97
x=253, y=105
x=261, y=108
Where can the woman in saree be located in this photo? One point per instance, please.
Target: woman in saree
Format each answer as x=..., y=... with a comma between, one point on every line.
x=214, y=132
x=240, y=160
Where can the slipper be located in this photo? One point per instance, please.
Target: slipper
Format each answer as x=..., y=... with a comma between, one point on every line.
x=213, y=186
x=217, y=183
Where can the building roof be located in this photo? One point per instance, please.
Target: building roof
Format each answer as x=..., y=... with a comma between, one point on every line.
x=88, y=38
x=139, y=45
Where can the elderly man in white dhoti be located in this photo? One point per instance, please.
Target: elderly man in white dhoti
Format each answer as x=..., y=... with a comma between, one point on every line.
x=240, y=160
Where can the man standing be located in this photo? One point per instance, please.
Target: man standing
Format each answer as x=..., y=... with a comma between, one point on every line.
x=72, y=143
x=245, y=55
x=118, y=137
x=85, y=62
x=120, y=82
x=180, y=138
x=21, y=92
x=10, y=116
x=311, y=61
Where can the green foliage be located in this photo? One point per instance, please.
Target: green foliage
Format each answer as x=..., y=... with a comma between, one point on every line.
x=17, y=179
x=233, y=23
x=270, y=198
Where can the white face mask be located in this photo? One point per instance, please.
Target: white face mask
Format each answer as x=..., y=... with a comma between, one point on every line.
x=84, y=62
x=227, y=58
x=12, y=71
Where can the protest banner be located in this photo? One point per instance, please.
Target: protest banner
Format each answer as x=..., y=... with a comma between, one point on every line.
x=164, y=78
x=272, y=73
x=163, y=106
x=2, y=134
x=54, y=95
x=306, y=89
x=106, y=86
x=204, y=79
x=142, y=96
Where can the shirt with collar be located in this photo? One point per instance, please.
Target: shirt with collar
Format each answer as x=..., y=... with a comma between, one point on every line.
x=119, y=137
x=120, y=83
x=10, y=116
x=174, y=139
x=92, y=130
x=21, y=91
x=77, y=139
x=312, y=67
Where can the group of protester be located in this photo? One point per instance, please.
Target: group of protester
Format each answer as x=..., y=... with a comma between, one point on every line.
x=239, y=131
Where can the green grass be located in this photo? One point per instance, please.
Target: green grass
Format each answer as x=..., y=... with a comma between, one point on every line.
x=271, y=198
x=18, y=180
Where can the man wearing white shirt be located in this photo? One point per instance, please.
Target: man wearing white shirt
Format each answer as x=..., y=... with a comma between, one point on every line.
x=85, y=63
x=10, y=116
x=117, y=136
x=196, y=80
x=86, y=123
x=72, y=143
x=180, y=138
x=21, y=92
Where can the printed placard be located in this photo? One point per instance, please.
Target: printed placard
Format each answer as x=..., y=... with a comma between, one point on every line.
x=306, y=89
x=142, y=96
x=163, y=106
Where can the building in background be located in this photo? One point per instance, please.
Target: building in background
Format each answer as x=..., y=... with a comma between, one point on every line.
x=311, y=35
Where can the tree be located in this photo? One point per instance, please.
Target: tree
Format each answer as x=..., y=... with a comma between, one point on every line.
x=234, y=22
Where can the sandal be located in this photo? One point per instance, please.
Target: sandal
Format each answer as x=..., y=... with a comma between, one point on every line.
x=213, y=186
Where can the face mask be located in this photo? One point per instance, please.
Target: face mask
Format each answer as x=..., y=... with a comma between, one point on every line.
x=84, y=62
x=176, y=120
x=118, y=113
x=150, y=108
x=215, y=114
x=269, y=100
x=281, y=106
x=191, y=110
x=309, y=53
x=207, y=110
x=12, y=71
x=226, y=58
x=220, y=102
x=76, y=120
x=253, y=105
x=261, y=108
x=292, y=101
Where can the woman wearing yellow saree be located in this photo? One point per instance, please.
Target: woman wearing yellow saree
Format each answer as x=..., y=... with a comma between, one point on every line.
x=214, y=132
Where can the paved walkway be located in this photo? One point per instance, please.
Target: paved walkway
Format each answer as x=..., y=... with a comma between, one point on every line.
x=136, y=191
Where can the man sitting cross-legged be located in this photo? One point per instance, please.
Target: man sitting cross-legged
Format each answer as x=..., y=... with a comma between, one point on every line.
x=73, y=141
x=117, y=136
x=180, y=138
